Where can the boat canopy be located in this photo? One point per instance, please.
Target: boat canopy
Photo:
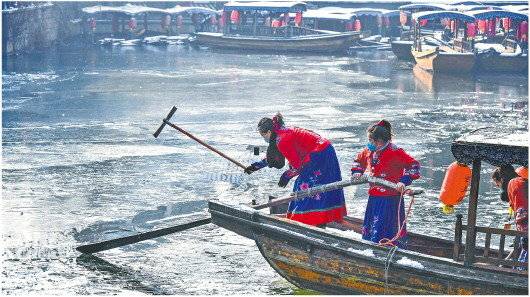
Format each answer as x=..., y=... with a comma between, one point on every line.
x=492, y=146
x=319, y=14
x=435, y=15
x=129, y=9
x=368, y=11
x=491, y=14
x=515, y=7
x=426, y=6
x=477, y=7
x=280, y=7
x=465, y=3
x=191, y=9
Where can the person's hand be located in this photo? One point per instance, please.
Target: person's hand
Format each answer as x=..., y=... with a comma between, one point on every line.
x=251, y=168
x=356, y=175
x=284, y=180
x=400, y=187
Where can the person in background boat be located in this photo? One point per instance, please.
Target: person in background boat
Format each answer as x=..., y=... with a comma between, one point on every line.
x=381, y=158
x=514, y=190
x=313, y=160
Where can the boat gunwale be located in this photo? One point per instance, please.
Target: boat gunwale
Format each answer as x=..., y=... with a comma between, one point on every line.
x=508, y=275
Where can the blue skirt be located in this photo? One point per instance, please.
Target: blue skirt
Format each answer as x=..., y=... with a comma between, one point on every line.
x=323, y=168
x=381, y=219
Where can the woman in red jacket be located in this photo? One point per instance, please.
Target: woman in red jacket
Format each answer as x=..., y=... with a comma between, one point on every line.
x=381, y=158
x=515, y=192
x=312, y=158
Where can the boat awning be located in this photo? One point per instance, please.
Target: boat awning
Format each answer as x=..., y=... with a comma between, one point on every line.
x=368, y=11
x=128, y=9
x=490, y=14
x=280, y=7
x=435, y=15
x=492, y=146
x=391, y=13
x=425, y=6
x=328, y=15
x=190, y=9
x=465, y=3
x=515, y=7
x=477, y=7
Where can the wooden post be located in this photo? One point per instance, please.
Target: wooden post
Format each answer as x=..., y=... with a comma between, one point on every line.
x=472, y=215
x=458, y=237
x=255, y=24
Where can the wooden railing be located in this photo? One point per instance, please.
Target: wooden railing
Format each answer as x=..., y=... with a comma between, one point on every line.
x=486, y=254
x=462, y=45
x=285, y=31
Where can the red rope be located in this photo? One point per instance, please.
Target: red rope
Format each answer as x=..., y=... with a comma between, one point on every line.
x=390, y=242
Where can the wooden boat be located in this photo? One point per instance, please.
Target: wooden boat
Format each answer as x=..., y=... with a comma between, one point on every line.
x=402, y=49
x=457, y=59
x=255, y=35
x=493, y=57
x=340, y=262
x=321, y=42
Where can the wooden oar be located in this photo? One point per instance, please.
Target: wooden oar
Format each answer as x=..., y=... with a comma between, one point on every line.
x=334, y=186
x=167, y=122
x=114, y=243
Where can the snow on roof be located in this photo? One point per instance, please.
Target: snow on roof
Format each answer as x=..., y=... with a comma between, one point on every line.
x=434, y=15
x=489, y=14
x=276, y=6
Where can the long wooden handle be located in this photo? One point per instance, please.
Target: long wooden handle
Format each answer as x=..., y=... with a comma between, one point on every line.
x=334, y=186
x=122, y=241
x=204, y=144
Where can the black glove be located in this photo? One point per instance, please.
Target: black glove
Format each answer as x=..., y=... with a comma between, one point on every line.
x=284, y=179
x=251, y=169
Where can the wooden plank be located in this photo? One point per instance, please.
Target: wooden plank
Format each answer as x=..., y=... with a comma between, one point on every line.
x=458, y=238
x=487, y=245
x=496, y=261
x=501, y=246
x=497, y=231
x=469, y=257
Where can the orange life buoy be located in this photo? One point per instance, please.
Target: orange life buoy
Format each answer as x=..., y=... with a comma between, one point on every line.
x=522, y=171
x=455, y=184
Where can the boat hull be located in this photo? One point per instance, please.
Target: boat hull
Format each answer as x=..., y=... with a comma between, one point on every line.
x=402, y=50
x=316, y=259
x=502, y=63
x=446, y=62
x=324, y=43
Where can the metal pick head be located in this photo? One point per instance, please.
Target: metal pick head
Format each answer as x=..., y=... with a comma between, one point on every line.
x=169, y=115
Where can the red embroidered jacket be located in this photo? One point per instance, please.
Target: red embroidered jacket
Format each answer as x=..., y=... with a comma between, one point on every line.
x=518, y=196
x=296, y=145
x=391, y=163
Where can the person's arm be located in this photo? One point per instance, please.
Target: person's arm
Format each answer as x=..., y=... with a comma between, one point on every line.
x=359, y=165
x=256, y=166
x=411, y=167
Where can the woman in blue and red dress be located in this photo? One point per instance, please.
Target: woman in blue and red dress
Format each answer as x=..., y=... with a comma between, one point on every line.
x=312, y=158
x=381, y=158
x=515, y=192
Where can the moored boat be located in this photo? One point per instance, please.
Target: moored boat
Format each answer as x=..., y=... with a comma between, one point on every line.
x=456, y=59
x=495, y=57
x=275, y=32
x=336, y=260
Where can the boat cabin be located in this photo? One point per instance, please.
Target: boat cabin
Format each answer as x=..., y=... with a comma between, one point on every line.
x=454, y=24
x=495, y=148
x=264, y=19
x=511, y=25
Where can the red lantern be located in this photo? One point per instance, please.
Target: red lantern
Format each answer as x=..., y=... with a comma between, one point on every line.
x=298, y=19
x=481, y=24
x=402, y=18
x=506, y=24
x=522, y=33
x=471, y=30
x=357, y=25
x=349, y=26
x=423, y=23
x=234, y=17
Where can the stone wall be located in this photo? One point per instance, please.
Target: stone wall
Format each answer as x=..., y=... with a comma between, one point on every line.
x=39, y=27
